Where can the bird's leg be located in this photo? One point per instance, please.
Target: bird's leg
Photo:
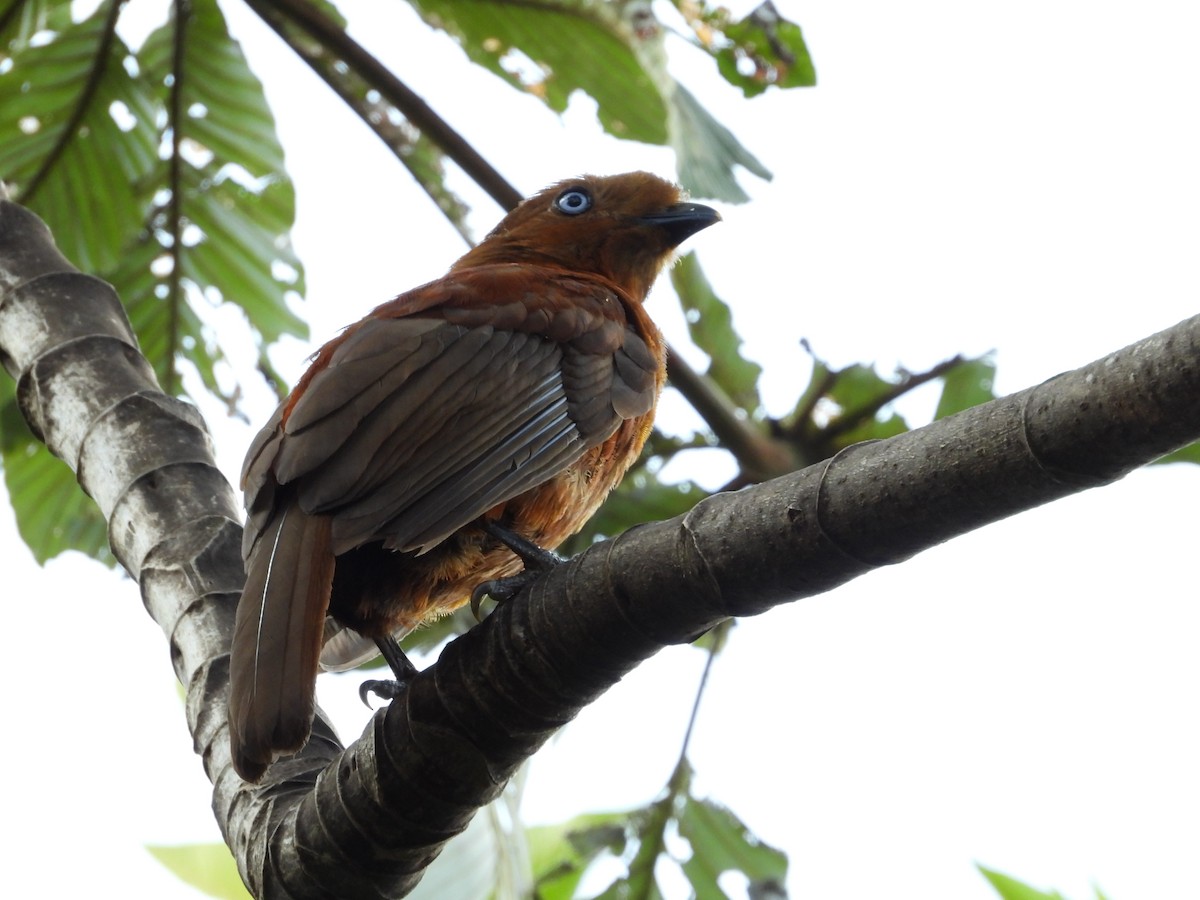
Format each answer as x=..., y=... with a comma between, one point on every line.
x=537, y=560
x=401, y=667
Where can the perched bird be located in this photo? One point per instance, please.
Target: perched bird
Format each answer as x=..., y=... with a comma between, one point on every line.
x=501, y=402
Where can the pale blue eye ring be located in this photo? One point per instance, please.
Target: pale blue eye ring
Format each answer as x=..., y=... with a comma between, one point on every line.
x=573, y=201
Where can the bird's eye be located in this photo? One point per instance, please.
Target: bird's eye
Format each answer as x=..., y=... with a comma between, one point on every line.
x=573, y=201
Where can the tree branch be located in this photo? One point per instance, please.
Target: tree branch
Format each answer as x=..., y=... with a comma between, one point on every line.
x=759, y=456
x=335, y=38
x=365, y=821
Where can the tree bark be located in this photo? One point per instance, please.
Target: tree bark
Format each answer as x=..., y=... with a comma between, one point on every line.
x=364, y=822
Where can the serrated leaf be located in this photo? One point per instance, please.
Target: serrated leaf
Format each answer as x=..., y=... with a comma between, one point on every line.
x=721, y=842
x=77, y=139
x=1011, y=889
x=614, y=53
x=967, y=384
x=552, y=49
x=710, y=325
x=236, y=204
x=706, y=151
x=207, y=867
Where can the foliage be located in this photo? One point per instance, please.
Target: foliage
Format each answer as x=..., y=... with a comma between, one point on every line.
x=158, y=168
x=206, y=867
x=198, y=214
x=1011, y=889
x=705, y=841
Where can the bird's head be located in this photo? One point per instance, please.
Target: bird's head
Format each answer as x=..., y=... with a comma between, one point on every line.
x=622, y=227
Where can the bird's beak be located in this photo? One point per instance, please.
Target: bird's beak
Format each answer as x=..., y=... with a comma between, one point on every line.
x=682, y=220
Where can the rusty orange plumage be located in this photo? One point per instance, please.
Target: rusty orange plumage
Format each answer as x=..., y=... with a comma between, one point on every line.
x=515, y=390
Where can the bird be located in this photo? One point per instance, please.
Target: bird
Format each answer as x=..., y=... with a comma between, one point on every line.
x=496, y=406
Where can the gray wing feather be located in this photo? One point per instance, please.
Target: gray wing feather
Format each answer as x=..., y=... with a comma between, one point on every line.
x=417, y=427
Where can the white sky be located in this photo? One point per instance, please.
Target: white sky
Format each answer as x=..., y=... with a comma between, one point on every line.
x=967, y=176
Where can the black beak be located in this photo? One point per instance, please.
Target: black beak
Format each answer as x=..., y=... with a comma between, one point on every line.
x=682, y=220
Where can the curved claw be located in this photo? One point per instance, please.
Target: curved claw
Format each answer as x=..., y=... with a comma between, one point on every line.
x=481, y=590
x=503, y=589
x=384, y=690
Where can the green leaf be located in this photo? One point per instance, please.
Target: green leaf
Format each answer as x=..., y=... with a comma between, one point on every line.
x=967, y=384
x=614, y=53
x=232, y=242
x=560, y=854
x=714, y=640
x=1011, y=889
x=764, y=50
x=21, y=21
x=1188, y=454
x=710, y=325
x=53, y=514
x=640, y=498
x=856, y=393
x=77, y=138
x=554, y=48
x=721, y=842
x=706, y=151
x=207, y=867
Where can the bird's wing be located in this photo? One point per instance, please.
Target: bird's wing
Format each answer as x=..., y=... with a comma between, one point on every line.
x=411, y=427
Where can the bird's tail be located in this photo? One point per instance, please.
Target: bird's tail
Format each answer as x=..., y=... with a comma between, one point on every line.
x=277, y=639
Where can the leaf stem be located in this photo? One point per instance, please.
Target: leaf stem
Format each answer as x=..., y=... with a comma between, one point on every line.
x=851, y=418
x=183, y=12
x=86, y=95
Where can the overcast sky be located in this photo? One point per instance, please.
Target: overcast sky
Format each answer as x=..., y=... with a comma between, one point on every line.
x=1019, y=177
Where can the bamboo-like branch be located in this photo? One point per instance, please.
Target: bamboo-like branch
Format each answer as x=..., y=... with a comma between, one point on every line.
x=366, y=820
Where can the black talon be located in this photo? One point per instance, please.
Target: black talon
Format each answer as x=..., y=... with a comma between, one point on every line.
x=537, y=560
x=501, y=589
x=384, y=689
x=401, y=667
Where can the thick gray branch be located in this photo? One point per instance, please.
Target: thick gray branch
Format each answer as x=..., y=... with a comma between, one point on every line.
x=365, y=821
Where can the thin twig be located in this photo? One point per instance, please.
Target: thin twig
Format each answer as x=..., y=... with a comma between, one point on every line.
x=331, y=35
x=353, y=89
x=757, y=454
x=852, y=418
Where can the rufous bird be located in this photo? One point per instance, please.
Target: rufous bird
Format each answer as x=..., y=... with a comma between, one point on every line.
x=501, y=402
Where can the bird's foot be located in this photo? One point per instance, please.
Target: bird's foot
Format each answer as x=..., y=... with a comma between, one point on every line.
x=385, y=689
x=531, y=554
x=501, y=590
x=402, y=668
x=537, y=561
